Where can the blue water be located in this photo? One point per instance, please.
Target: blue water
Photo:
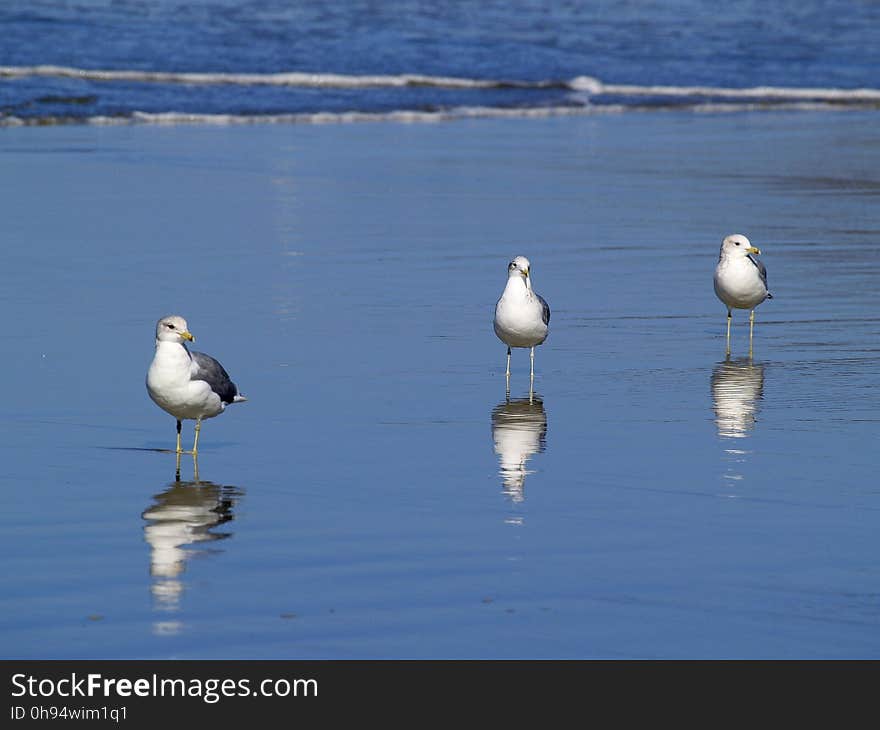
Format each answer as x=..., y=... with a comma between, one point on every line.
x=548, y=49
x=378, y=495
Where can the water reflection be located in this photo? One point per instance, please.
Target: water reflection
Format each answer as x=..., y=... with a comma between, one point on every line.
x=737, y=390
x=180, y=524
x=519, y=430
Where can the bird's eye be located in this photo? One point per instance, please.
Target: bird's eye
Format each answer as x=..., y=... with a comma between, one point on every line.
x=736, y=242
x=171, y=326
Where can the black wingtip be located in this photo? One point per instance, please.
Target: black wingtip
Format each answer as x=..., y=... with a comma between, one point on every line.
x=769, y=295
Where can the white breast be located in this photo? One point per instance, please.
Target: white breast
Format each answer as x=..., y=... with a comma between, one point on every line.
x=738, y=283
x=519, y=316
x=170, y=386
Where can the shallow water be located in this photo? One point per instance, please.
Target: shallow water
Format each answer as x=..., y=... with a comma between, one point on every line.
x=378, y=496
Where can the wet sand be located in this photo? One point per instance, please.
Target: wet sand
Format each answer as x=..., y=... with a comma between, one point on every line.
x=377, y=496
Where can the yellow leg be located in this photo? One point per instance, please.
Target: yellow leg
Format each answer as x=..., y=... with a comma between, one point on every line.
x=728, y=331
x=177, y=469
x=195, y=450
x=179, y=451
x=751, y=330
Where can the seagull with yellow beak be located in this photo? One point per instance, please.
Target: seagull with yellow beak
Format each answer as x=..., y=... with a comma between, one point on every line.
x=740, y=279
x=188, y=385
x=522, y=316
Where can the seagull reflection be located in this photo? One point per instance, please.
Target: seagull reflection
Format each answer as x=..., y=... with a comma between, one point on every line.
x=737, y=389
x=179, y=519
x=519, y=430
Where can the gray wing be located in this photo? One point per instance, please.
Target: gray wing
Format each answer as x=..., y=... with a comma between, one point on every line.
x=762, y=270
x=213, y=374
x=545, y=309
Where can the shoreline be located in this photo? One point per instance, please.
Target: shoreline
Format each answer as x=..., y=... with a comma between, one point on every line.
x=431, y=117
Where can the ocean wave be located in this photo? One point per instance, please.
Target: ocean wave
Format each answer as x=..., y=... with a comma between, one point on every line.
x=285, y=78
x=586, y=85
x=172, y=118
x=595, y=87
x=350, y=117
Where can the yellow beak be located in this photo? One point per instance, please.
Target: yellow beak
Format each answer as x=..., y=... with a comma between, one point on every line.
x=187, y=336
x=753, y=249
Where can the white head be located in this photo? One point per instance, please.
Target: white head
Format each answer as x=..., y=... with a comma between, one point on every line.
x=520, y=267
x=737, y=244
x=173, y=329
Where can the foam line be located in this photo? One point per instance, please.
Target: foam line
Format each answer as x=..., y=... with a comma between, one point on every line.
x=413, y=116
x=291, y=78
x=585, y=84
x=596, y=87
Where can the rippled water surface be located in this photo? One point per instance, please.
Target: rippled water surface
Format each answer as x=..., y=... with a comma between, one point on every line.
x=378, y=495
x=151, y=61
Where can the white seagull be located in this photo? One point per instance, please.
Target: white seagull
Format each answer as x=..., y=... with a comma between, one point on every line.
x=740, y=279
x=188, y=385
x=522, y=316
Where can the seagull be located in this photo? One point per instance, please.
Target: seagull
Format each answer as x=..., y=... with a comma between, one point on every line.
x=740, y=279
x=187, y=384
x=522, y=316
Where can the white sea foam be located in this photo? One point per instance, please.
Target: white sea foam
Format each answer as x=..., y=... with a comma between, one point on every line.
x=403, y=115
x=583, y=92
x=588, y=85
x=406, y=116
x=756, y=92
x=291, y=78
x=409, y=116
